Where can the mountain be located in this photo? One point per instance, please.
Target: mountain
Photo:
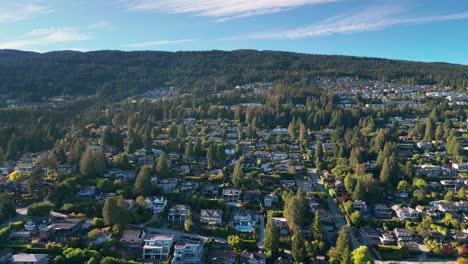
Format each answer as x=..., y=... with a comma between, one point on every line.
x=30, y=75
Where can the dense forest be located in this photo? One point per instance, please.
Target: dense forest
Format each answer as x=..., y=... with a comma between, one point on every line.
x=119, y=74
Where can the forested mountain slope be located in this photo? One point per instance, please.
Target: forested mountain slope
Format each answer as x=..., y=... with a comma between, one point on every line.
x=30, y=75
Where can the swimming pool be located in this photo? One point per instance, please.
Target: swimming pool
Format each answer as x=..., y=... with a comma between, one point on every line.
x=244, y=228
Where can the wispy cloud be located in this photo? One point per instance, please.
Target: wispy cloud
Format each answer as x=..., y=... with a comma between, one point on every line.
x=221, y=9
x=157, y=43
x=45, y=37
x=103, y=24
x=21, y=11
x=372, y=19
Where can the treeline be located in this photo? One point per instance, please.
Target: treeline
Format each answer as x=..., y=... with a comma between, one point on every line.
x=118, y=74
x=29, y=129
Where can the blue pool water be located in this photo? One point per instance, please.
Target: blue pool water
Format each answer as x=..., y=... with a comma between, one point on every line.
x=244, y=228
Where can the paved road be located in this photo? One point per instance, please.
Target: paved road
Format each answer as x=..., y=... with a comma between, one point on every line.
x=20, y=215
x=414, y=261
x=340, y=221
x=178, y=233
x=261, y=236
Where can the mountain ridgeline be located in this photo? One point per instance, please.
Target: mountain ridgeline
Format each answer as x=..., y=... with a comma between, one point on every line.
x=117, y=74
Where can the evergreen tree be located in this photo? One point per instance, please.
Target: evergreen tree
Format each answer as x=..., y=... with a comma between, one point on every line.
x=12, y=149
x=388, y=151
x=297, y=211
x=36, y=182
x=379, y=140
x=77, y=151
x=106, y=137
x=302, y=131
x=122, y=162
x=341, y=252
x=238, y=173
x=271, y=240
x=92, y=163
x=298, y=249
x=386, y=172
x=239, y=131
x=99, y=163
x=317, y=230
x=250, y=131
x=349, y=183
x=197, y=149
x=220, y=155
x=181, y=131
x=111, y=211
x=359, y=191
x=453, y=146
x=189, y=150
x=143, y=185
x=439, y=133
x=2, y=155
x=162, y=168
x=134, y=141
x=7, y=207
x=86, y=163
x=319, y=155
x=291, y=131
x=429, y=132
x=210, y=156
x=124, y=214
x=346, y=256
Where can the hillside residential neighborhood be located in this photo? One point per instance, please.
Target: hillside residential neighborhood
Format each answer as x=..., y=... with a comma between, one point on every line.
x=246, y=176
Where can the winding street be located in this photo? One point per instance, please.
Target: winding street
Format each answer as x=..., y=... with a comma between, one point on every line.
x=340, y=221
x=21, y=213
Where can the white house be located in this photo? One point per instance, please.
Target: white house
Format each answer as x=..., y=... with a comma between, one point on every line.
x=405, y=213
x=156, y=204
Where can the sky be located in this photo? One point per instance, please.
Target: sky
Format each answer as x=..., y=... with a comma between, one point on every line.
x=421, y=30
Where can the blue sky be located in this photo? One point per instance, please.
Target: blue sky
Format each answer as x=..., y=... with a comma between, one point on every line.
x=422, y=30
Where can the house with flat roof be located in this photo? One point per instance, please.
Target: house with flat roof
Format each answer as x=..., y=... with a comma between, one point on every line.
x=61, y=231
x=132, y=238
x=382, y=211
x=188, y=251
x=157, y=246
x=403, y=234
